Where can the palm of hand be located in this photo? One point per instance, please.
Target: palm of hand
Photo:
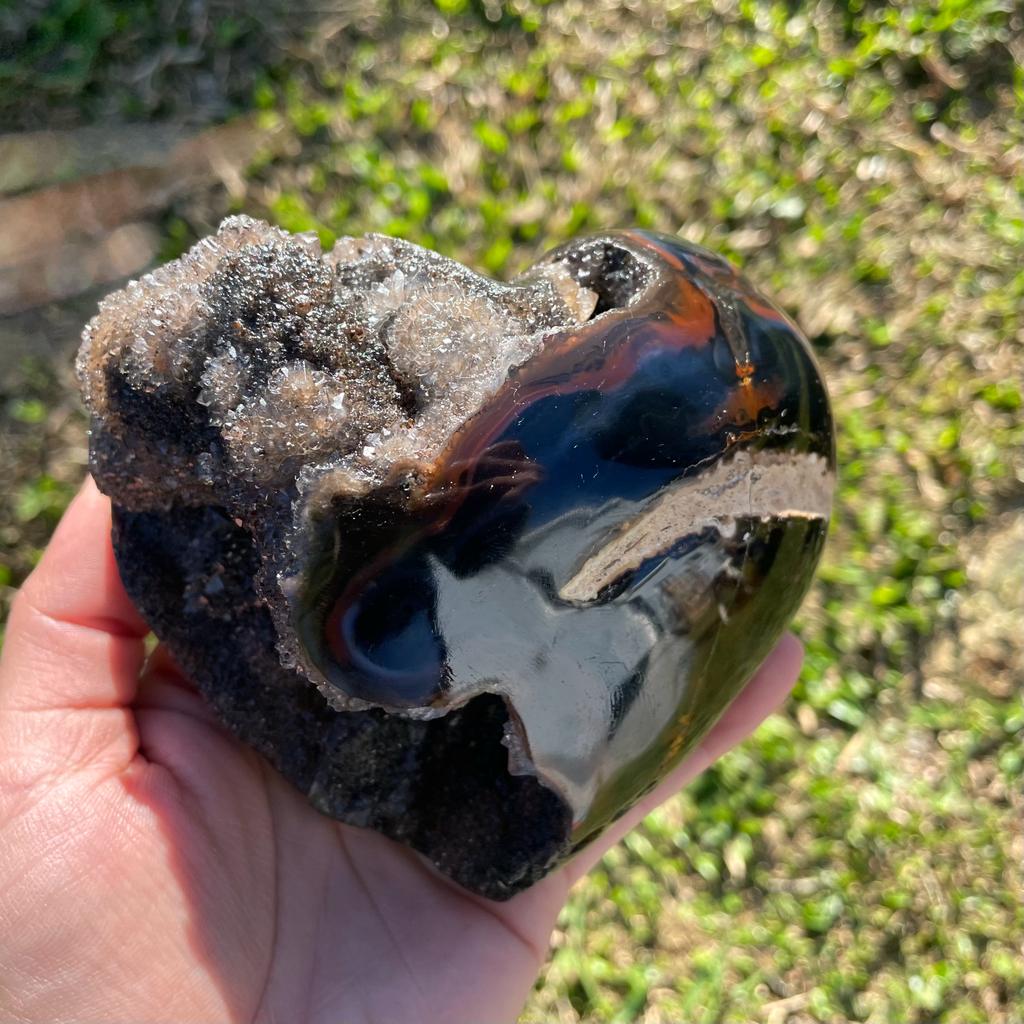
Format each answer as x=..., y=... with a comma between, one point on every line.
x=152, y=869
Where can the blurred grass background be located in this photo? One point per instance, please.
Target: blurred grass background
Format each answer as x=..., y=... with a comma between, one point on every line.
x=862, y=857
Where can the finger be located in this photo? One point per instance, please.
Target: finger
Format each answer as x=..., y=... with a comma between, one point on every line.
x=163, y=686
x=765, y=692
x=74, y=639
x=161, y=666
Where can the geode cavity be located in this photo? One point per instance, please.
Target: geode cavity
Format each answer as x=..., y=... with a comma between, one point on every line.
x=472, y=564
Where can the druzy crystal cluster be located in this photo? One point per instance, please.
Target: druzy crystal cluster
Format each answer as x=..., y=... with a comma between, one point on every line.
x=471, y=563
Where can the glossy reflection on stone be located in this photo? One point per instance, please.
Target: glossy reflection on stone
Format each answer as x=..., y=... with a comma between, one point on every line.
x=526, y=541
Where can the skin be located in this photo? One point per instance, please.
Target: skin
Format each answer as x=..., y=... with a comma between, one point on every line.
x=152, y=869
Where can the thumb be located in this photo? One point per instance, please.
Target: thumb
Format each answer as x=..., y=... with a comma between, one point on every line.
x=74, y=641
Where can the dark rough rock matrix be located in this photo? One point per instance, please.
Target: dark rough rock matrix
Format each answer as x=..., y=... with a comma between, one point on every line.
x=472, y=564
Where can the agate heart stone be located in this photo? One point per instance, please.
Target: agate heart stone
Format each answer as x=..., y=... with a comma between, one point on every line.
x=472, y=564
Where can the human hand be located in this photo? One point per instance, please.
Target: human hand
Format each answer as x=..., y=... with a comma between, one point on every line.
x=153, y=869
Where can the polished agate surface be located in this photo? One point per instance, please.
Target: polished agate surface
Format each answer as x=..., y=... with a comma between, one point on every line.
x=473, y=564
